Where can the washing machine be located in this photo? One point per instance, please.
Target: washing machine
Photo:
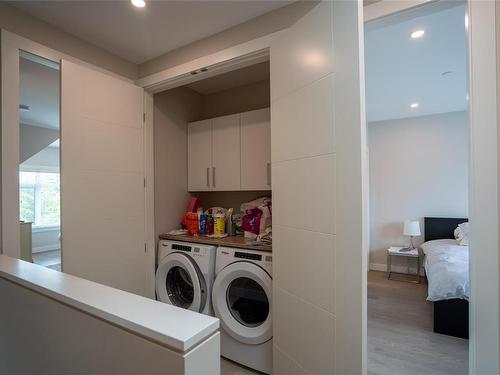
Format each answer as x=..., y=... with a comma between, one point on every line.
x=185, y=275
x=242, y=300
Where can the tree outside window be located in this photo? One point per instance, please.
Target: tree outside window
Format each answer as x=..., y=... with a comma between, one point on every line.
x=39, y=198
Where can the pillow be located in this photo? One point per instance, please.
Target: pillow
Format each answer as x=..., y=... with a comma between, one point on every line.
x=462, y=234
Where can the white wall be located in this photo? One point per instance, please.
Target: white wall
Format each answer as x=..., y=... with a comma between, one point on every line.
x=44, y=161
x=265, y=24
x=418, y=168
x=34, y=139
x=173, y=109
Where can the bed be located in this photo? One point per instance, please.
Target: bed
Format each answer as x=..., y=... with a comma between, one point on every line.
x=446, y=266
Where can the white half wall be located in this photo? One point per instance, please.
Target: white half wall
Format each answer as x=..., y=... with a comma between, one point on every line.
x=418, y=168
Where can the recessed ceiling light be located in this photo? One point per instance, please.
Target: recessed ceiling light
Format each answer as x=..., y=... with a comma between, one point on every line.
x=417, y=34
x=413, y=105
x=138, y=3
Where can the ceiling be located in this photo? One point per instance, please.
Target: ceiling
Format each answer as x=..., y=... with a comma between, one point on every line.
x=39, y=89
x=235, y=78
x=401, y=70
x=140, y=34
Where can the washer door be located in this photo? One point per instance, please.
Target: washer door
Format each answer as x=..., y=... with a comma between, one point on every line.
x=241, y=298
x=180, y=282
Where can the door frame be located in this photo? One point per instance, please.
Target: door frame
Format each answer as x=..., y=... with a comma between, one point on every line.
x=11, y=44
x=483, y=176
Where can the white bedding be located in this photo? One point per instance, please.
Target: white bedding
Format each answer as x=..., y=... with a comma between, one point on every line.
x=447, y=267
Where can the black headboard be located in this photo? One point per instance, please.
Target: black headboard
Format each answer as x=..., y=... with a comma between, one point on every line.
x=437, y=228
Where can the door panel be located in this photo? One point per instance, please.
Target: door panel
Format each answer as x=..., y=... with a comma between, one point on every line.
x=200, y=155
x=226, y=153
x=102, y=174
x=316, y=105
x=256, y=150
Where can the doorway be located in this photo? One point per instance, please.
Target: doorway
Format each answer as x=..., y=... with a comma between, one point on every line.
x=39, y=160
x=418, y=142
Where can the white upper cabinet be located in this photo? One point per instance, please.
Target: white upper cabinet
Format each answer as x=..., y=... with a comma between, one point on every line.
x=230, y=153
x=256, y=150
x=200, y=155
x=226, y=153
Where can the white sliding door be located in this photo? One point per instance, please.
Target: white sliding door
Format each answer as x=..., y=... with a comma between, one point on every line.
x=317, y=124
x=102, y=180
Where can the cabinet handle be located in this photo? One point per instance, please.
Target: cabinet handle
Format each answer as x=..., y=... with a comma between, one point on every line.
x=208, y=177
x=213, y=176
x=269, y=174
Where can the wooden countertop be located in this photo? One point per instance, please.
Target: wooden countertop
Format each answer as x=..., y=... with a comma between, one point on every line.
x=233, y=241
x=165, y=324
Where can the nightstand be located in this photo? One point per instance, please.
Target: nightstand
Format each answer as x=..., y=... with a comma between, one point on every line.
x=409, y=255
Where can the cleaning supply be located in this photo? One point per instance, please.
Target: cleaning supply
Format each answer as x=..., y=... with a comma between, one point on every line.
x=193, y=206
x=219, y=224
x=229, y=222
x=203, y=224
x=209, y=223
x=191, y=220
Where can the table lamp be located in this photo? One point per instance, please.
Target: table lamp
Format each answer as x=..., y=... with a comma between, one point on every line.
x=412, y=229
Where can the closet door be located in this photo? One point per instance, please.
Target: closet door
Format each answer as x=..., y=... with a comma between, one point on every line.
x=256, y=150
x=226, y=153
x=318, y=125
x=102, y=179
x=200, y=155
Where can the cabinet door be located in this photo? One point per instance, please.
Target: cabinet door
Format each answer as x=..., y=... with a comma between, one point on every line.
x=199, y=155
x=256, y=150
x=226, y=153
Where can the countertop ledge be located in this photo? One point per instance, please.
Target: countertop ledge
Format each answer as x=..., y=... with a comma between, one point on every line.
x=230, y=241
x=173, y=327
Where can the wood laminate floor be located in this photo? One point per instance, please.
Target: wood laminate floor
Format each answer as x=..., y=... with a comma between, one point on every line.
x=400, y=337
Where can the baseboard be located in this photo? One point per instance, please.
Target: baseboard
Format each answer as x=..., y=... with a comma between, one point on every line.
x=41, y=249
x=398, y=269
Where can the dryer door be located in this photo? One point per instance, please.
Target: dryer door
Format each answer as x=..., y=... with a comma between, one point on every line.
x=180, y=282
x=241, y=298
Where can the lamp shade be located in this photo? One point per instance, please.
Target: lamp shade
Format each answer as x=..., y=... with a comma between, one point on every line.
x=412, y=228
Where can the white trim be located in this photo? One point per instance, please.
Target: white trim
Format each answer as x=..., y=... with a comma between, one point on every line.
x=385, y=8
x=41, y=249
x=149, y=193
x=484, y=356
x=51, y=228
x=38, y=168
x=236, y=57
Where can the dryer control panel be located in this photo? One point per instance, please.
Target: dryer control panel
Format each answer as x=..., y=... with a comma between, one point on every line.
x=228, y=255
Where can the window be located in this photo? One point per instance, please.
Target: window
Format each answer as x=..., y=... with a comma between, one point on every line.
x=39, y=198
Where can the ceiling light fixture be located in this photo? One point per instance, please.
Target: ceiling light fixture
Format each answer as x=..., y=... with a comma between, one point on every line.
x=413, y=105
x=138, y=3
x=417, y=34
